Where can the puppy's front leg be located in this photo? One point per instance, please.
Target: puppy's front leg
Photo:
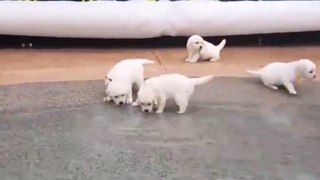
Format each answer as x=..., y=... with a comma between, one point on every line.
x=290, y=88
x=195, y=57
x=162, y=104
x=136, y=103
x=107, y=99
x=129, y=97
x=189, y=55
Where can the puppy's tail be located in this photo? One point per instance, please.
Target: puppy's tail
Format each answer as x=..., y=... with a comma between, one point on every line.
x=144, y=61
x=201, y=80
x=256, y=73
x=222, y=44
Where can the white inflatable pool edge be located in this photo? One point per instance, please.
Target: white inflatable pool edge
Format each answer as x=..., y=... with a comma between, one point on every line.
x=110, y=19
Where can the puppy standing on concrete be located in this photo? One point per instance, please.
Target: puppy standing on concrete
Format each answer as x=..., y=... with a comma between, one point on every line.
x=199, y=49
x=155, y=91
x=285, y=74
x=120, y=79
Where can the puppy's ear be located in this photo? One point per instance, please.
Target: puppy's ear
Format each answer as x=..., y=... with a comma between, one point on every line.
x=107, y=80
x=301, y=66
x=106, y=92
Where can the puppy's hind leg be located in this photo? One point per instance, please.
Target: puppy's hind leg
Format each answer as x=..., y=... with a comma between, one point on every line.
x=269, y=85
x=139, y=83
x=290, y=88
x=182, y=102
x=214, y=59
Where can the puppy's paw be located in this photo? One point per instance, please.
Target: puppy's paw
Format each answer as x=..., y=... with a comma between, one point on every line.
x=159, y=111
x=106, y=99
x=181, y=112
x=293, y=93
x=193, y=60
x=214, y=59
x=129, y=101
x=135, y=104
x=272, y=87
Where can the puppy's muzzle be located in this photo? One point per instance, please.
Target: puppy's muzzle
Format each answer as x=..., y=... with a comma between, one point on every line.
x=121, y=102
x=146, y=110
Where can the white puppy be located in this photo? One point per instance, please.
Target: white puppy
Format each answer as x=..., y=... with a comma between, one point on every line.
x=199, y=49
x=155, y=91
x=120, y=79
x=285, y=74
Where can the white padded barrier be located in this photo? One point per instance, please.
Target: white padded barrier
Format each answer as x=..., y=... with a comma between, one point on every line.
x=136, y=19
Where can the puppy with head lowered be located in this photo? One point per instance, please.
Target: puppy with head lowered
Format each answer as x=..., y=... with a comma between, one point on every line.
x=285, y=74
x=120, y=79
x=199, y=49
x=156, y=90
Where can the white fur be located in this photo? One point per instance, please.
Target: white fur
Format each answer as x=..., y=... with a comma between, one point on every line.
x=285, y=74
x=121, y=77
x=199, y=49
x=155, y=91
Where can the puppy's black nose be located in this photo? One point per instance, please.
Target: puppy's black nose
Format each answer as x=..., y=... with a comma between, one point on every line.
x=121, y=103
x=146, y=110
x=315, y=76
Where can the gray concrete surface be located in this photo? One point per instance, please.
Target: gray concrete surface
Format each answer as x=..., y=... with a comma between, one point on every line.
x=233, y=129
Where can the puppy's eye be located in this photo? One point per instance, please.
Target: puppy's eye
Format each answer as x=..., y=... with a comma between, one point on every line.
x=197, y=42
x=122, y=95
x=311, y=71
x=116, y=97
x=149, y=104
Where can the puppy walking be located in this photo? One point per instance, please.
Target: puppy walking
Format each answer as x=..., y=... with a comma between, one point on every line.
x=285, y=74
x=199, y=49
x=156, y=91
x=120, y=79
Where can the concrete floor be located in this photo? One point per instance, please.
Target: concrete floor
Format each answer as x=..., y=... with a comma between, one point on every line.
x=234, y=129
x=56, y=127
